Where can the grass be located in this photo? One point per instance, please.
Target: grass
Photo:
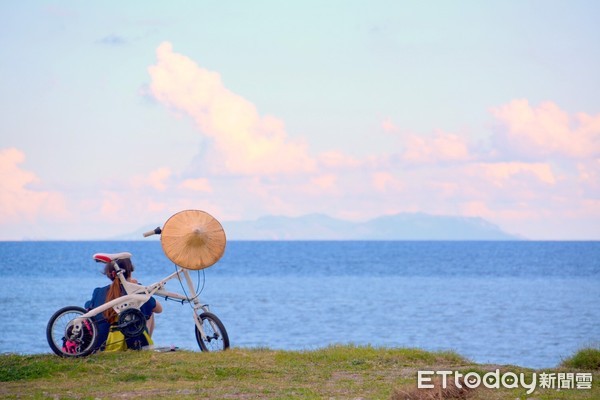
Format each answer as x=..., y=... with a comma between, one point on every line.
x=587, y=358
x=336, y=372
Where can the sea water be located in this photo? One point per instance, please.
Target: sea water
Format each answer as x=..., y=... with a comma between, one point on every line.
x=526, y=303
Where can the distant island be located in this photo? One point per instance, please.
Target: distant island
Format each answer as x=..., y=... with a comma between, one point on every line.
x=403, y=226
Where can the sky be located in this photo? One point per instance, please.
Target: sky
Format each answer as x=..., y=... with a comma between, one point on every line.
x=116, y=115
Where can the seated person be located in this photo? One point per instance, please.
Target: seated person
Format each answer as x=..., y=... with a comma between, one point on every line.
x=110, y=292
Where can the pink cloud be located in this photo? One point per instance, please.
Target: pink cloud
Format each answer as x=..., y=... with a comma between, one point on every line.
x=18, y=200
x=388, y=126
x=244, y=142
x=113, y=206
x=197, y=185
x=449, y=174
x=384, y=181
x=325, y=181
x=545, y=131
x=500, y=173
x=156, y=179
x=589, y=173
x=338, y=160
x=443, y=147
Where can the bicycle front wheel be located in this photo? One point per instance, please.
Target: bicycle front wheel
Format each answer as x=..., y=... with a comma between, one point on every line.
x=69, y=337
x=216, y=335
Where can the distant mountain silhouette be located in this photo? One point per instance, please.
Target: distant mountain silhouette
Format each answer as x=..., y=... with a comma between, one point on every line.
x=404, y=226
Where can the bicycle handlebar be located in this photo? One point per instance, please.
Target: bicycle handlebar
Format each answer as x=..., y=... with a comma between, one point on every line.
x=156, y=231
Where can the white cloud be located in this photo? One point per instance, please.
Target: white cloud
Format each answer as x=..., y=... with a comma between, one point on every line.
x=243, y=141
x=520, y=177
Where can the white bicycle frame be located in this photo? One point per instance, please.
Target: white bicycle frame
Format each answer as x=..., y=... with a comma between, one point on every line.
x=138, y=294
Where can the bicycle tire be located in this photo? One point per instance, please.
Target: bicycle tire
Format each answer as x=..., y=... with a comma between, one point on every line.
x=216, y=341
x=56, y=332
x=132, y=322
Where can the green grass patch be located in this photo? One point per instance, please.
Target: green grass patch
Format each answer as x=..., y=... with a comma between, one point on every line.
x=337, y=372
x=17, y=367
x=586, y=359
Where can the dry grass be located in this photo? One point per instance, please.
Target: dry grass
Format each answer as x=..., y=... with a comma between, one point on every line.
x=438, y=392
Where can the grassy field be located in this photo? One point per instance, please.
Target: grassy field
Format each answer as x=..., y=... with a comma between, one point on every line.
x=337, y=372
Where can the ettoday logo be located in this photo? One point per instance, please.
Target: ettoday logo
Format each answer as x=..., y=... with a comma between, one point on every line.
x=509, y=380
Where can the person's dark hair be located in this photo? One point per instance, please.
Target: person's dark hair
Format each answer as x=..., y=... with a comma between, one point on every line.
x=114, y=290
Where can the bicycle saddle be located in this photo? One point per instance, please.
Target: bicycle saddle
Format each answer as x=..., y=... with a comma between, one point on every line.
x=108, y=257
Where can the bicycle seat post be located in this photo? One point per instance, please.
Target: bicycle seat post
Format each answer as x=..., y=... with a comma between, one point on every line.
x=119, y=271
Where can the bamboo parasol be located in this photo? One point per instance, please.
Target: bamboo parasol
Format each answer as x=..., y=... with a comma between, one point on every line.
x=193, y=239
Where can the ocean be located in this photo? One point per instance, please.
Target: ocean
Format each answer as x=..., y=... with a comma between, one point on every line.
x=523, y=303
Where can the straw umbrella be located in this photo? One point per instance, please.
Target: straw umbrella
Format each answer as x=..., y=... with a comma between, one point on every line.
x=193, y=239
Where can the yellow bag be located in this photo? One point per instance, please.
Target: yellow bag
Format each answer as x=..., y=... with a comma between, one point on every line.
x=116, y=341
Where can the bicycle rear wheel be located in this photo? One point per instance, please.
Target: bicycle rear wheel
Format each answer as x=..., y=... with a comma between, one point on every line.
x=216, y=335
x=68, y=337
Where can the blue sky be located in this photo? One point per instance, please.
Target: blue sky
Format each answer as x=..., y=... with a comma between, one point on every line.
x=118, y=114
